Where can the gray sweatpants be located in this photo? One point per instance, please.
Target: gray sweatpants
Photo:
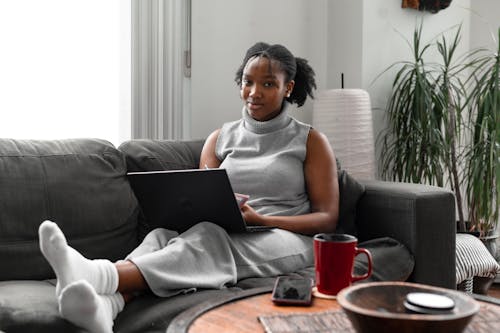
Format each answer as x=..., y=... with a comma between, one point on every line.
x=205, y=256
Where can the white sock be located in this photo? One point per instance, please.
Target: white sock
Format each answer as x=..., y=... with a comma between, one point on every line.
x=70, y=266
x=80, y=304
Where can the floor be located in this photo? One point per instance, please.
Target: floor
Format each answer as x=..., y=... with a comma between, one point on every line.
x=494, y=290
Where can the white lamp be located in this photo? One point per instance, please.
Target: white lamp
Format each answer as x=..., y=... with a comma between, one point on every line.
x=345, y=117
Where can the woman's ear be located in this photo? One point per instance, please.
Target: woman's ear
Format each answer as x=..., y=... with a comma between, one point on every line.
x=289, y=87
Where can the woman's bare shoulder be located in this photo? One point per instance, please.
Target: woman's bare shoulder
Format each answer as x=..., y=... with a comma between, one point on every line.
x=317, y=140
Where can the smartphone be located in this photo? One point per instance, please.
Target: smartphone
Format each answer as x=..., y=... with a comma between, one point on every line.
x=292, y=291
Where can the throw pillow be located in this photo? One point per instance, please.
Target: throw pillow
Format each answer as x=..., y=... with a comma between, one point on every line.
x=350, y=193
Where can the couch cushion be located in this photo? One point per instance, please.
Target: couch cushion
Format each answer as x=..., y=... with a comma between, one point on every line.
x=350, y=193
x=80, y=184
x=30, y=306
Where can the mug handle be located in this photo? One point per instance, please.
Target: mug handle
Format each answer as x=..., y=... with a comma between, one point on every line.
x=367, y=274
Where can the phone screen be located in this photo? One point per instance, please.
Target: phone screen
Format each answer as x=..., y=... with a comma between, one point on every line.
x=291, y=290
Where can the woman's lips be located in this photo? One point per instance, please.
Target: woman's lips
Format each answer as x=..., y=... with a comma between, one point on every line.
x=254, y=106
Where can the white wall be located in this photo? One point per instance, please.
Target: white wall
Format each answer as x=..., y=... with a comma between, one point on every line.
x=345, y=43
x=223, y=30
x=485, y=22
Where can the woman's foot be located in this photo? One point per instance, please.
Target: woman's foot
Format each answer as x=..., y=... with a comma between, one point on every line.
x=70, y=266
x=80, y=304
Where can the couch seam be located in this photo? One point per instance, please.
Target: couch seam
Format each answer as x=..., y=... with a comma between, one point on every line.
x=45, y=187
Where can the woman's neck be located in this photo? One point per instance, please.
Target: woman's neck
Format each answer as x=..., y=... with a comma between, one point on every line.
x=278, y=122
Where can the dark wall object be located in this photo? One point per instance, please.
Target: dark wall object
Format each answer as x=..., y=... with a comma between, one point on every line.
x=432, y=6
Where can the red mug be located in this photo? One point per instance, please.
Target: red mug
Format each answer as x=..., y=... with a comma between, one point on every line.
x=334, y=261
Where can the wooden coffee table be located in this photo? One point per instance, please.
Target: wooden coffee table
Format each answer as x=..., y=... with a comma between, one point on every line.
x=242, y=312
x=239, y=312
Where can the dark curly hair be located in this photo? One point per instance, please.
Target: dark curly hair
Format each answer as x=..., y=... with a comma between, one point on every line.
x=295, y=69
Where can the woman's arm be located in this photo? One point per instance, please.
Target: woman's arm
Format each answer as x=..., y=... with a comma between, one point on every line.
x=320, y=169
x=208, y=159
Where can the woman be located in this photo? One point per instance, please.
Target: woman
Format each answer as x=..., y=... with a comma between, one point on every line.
x=286, y=167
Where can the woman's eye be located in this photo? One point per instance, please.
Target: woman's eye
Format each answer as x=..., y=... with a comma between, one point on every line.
x=246, y=82
x=269, y=84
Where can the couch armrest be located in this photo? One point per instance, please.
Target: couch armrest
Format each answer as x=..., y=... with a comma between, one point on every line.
x=422, y=217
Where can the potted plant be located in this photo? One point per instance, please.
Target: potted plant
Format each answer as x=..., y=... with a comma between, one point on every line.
x=410, y=151
x=422, y=141
x=482, y=171
x=444, y=128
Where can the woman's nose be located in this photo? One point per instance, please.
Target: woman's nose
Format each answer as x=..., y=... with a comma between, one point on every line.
x=254, y=90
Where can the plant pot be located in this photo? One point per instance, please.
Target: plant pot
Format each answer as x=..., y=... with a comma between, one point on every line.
x=490, y=242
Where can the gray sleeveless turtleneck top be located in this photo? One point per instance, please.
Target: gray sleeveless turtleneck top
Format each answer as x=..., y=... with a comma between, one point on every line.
x=266, y=161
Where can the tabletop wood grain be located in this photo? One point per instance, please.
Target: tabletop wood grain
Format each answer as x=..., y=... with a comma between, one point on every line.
x=242, y=315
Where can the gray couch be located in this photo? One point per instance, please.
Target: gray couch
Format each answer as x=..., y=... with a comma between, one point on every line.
x=81, y=184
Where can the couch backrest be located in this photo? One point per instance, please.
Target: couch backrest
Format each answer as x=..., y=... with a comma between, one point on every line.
x=154, y=155
x=80, y=184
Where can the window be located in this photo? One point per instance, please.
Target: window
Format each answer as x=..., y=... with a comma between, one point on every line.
x=65, y=69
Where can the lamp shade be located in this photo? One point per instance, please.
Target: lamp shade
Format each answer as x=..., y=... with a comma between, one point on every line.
x=345, y=117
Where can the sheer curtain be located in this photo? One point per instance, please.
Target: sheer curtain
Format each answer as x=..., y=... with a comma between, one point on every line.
x=161, y=69
x=65, y=69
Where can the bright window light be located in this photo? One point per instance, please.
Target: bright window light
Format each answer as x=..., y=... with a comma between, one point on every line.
x=65, y=69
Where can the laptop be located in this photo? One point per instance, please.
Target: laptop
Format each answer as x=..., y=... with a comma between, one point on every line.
x=179, y=199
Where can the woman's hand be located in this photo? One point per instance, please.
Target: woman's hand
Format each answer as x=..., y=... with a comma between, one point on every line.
x=250, y=216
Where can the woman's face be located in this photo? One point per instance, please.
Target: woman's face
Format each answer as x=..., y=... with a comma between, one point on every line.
x=263, y=88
